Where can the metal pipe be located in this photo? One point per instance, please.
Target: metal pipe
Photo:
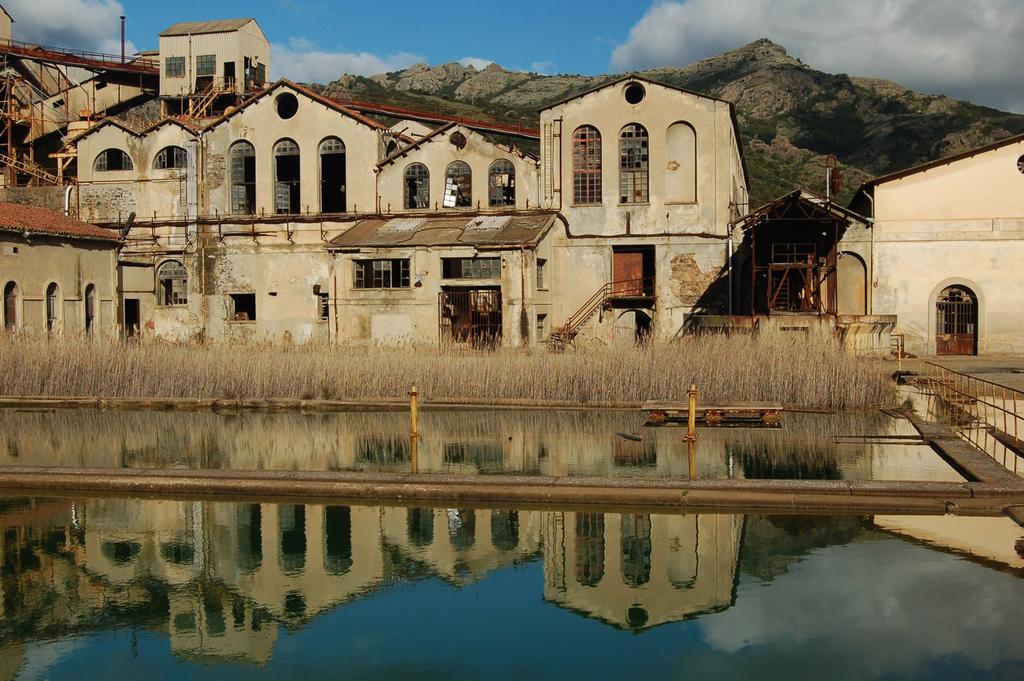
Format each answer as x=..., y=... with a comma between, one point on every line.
x=67, y=200
x=729, y=266
x=122, y=38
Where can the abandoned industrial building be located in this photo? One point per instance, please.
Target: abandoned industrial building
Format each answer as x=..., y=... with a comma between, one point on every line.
x=262, y=210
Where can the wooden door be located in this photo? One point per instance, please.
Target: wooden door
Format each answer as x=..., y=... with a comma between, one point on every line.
x=956, y=322
x=627, y=273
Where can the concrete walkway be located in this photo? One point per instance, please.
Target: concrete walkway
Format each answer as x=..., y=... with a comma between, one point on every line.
x=1005, y=370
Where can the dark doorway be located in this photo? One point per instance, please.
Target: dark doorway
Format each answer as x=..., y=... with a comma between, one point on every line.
x=229, y=74
x=90, y=308
x=956, y=322
x=633, y=271
x=11, y=306
x=132, y=317
x=470, y=316
x=332, y=176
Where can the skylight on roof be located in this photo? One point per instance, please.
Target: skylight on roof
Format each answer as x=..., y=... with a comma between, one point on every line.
x=488, y=222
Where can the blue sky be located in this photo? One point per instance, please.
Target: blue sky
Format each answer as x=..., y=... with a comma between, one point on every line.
x=969, y=50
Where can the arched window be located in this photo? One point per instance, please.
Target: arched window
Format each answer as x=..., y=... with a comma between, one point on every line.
x=420, y=523
x=171, y=284
x=417, y=186
x=633, y=162
x=52, y=307
x=681, y=166
x=243, y=178
x=286, y=177
x=636, y=549
x=112, y=159
x=90, y=308
x=462, y=528
x=458, y=185
x=586, y=165
x=505, y=530
x=170, y=158
x=338, y=539
x=332, y=175
x=589, y=548
x=10, y=306
x=501, y=183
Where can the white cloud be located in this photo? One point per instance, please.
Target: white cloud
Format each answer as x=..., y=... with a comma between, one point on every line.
x=78, y=24
x=969, y=50
x=543, y=67
x=302, y=60
x=478, y=63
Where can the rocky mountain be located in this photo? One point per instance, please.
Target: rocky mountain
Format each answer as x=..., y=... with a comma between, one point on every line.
x=791, y=115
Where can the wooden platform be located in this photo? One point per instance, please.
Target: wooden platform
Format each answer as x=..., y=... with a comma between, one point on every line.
x=734, y=413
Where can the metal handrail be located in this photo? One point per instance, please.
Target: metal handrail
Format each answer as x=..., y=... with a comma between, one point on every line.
x=601, y=297
x=34, y=50
x=990, y=414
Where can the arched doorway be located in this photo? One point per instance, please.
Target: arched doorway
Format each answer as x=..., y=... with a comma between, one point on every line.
x=10, y=306
x=956, y=321
x=634, y=325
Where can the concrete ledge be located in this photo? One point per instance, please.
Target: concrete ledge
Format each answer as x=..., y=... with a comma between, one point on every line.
x=964, y=457
x=767, y=495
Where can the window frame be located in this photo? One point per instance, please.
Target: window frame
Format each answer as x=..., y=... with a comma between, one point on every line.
x=179, y=67
x=634, y=165
x=422, y=183
x=504, y=193
x=233, y=308
x=587, y=166
x=461, y=175
x=206, y=65
x=370, y=274
x=178, y=298
x=101, y=164
x=479, y=267
x=541, y=266
x=233, y=184
x=176, y=153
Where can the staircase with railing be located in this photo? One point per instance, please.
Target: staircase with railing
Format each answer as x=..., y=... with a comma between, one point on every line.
x=631, y=290
x=26, y=167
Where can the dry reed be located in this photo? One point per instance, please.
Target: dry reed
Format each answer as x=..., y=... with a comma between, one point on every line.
x=793, y=369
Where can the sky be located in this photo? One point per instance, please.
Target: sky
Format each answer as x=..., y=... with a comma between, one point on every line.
x=968, y=49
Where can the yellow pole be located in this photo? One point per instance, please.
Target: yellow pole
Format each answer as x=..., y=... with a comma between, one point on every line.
x=414, y=428
x=691, y=429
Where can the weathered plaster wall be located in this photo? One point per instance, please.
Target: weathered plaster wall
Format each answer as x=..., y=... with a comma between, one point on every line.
x=34, y=263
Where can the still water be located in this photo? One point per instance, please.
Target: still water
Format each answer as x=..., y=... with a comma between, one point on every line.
x=125, y=588
x=853, y=446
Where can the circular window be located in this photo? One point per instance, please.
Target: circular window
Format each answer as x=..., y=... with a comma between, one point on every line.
x=635, y=93
x=458, y=139
x=1020, y=164
x=287, y=104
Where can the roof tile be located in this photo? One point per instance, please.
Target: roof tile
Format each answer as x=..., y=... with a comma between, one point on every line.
x=15, y=217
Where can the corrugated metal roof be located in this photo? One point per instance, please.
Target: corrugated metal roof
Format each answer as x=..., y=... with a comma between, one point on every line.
x=15, y=217
x=448, y=230
x=199, y=27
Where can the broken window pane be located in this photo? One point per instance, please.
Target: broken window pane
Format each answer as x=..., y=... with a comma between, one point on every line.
x=381, y=274
x=458, y=185
x=170, y=158
x=324, y=306
x=112, y=159
x=502, y=183
x=332, y=175
x=242, y=307
x=633, y=161
x=286, y=177
x=417, y=186
x=471, y=268
x=243, y=178
x=171, y=284
x=586, y=165
x=541, y=284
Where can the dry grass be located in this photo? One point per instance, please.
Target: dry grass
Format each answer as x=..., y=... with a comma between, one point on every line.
x=793, y=369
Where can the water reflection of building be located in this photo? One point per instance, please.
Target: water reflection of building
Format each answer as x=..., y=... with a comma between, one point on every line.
x=638, y=571
x=547, y=443
x=221, y=578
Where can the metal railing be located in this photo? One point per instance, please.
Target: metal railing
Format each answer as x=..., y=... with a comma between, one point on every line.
x=84, y=57
x=988, y=415
x=629, y=288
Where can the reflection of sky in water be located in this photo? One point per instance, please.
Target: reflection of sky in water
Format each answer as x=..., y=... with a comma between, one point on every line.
x=469, y=442
x=492, y=594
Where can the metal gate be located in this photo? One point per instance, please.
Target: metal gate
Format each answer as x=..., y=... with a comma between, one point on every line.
x=470, y=316
x=956, y=322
